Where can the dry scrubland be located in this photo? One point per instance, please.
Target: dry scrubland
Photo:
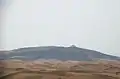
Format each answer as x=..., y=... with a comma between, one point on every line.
x=55, y=69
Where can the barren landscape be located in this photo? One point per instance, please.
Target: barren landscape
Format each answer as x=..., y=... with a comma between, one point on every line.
x=56, y=69
x=59, y=39
x=53, y=62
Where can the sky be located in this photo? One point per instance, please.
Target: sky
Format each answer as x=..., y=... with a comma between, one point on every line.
x=91, y=24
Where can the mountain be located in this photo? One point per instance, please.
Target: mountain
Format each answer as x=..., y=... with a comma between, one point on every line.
x=3, y=55
x=60, y=53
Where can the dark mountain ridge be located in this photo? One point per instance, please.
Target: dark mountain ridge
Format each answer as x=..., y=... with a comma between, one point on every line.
x=60, y=53
x=3, y=55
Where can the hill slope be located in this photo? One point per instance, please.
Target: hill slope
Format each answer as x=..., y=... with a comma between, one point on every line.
x=60, y=53
x=3, y=55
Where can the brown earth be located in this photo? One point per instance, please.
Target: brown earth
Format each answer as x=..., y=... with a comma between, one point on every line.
x=15, y=69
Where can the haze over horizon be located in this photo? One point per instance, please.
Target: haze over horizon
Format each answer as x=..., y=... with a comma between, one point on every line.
x=92, y=24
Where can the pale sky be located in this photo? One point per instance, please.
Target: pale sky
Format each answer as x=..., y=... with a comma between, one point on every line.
x=93, y=24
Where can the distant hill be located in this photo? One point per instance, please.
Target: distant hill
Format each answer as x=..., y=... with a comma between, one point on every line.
x=60, y=53
x=3, y=55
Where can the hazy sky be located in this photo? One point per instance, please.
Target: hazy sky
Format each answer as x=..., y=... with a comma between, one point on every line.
x=93, y=24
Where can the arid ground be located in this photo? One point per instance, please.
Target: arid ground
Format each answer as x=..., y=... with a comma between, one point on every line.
x=55, y=69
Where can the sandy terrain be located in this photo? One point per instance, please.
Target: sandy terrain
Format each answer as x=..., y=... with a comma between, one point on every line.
x=53, y=69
